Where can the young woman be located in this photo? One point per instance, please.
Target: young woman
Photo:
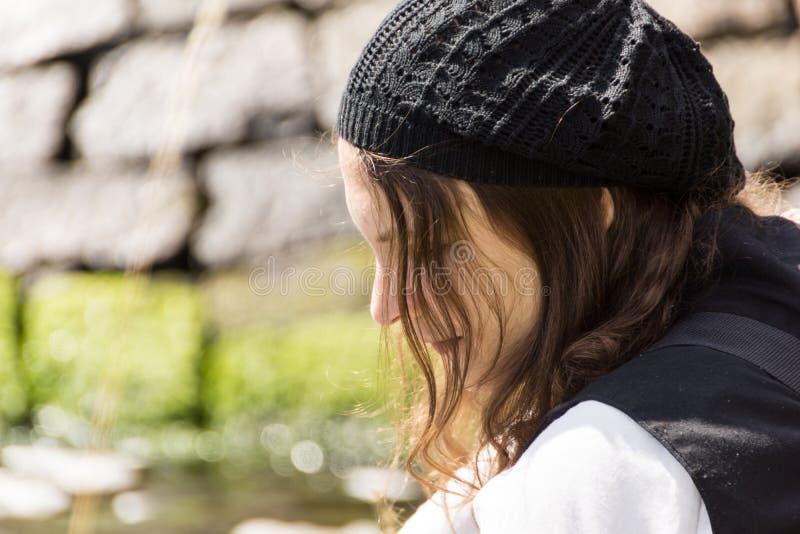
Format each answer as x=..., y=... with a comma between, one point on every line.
x=552, y=193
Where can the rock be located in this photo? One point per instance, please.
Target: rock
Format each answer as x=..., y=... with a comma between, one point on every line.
x=34, y=105
x=762, y=80
x=133, y=507
x=248, y=75
x=273, y=526
x=711, y=18
x=180, y=14
x=25, y=497
x=360, y=527
x=34, y=30
x=53, y=422
x=267, y=197
x=74, y=471
x=103, y=217
x=371, y=484
x=338, y=36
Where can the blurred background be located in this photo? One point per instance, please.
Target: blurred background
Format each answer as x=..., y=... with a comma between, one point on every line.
x=185, y=342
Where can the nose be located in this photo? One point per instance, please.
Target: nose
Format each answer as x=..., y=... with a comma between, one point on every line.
x=383, y=301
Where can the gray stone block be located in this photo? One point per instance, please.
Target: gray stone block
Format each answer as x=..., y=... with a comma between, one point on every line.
x=247, y=72
x=337, y=39
x=180, y=14
x=34, y=105
x=268, y=197
x=762, y=80
x=705, y=18
x=34, y=30
x=105, y=218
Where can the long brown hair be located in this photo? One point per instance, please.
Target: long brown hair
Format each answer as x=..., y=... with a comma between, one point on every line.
x=603, y=297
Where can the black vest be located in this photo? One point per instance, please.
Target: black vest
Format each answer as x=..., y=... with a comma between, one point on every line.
x=721, y=390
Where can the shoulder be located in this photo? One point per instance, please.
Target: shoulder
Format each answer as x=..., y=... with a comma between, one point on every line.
x=593, y=469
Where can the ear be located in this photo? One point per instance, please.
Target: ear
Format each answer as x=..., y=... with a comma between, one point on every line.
x=608, y=206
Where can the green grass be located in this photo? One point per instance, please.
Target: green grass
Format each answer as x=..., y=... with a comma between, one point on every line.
x=323, y=365
x=12, y=392
x=174, y=351
x=82, y=329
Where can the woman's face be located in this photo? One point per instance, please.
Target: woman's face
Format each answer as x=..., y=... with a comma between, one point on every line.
x=519, y=292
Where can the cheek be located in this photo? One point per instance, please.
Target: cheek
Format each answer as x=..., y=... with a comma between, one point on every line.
x=512, y=295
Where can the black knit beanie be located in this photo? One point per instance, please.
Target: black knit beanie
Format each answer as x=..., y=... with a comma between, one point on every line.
x=547, y=93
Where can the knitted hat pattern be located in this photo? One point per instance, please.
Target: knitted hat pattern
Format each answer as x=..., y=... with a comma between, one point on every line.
x=542, y=92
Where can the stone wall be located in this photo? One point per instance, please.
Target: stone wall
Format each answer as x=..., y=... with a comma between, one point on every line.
x=91, y=93
x=90, y=89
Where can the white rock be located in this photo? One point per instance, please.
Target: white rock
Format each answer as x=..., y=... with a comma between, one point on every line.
x=360, y=527
x=715, y=17
x=273, y=526
x=74, y=471
x=245, y=72
x=33, y=108
x=52, y=421
x=371, y=484
x=337, y=38
x=762, y=80
x=133, y=507
x=266, y=197
x=103, y=217
x=24, y=497
x=33, y=30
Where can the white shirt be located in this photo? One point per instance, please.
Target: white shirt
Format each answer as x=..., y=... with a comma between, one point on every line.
x=593, y=470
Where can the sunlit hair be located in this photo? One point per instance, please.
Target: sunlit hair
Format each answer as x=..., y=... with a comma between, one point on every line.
x=603, y=298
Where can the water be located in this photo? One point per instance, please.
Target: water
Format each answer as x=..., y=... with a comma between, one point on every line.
x=205, y=501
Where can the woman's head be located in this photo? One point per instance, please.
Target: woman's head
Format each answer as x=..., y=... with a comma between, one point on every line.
x=543, y=290
x=538, y=168
x=485, y=262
